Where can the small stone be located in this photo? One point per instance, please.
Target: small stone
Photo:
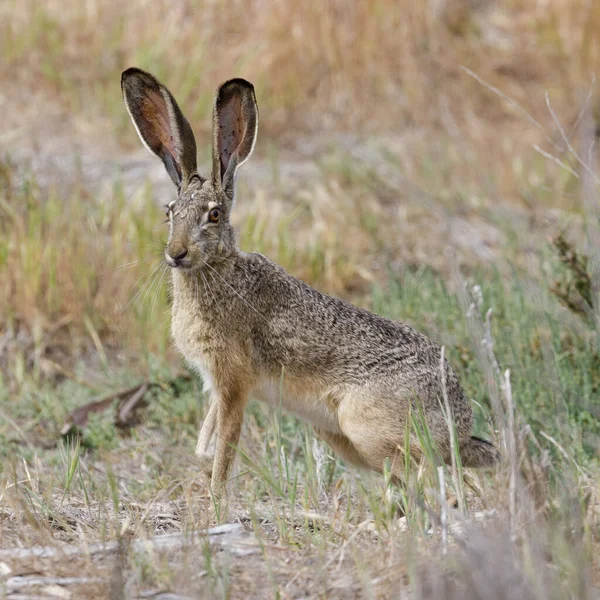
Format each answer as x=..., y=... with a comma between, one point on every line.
x=402, y=524
x=56, y=591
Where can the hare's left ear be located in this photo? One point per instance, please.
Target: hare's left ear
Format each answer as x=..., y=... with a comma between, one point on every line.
x=235, y=124
x=160, y=123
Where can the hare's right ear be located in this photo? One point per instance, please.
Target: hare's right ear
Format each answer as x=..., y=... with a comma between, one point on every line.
x=235, y=124
x=160, y=123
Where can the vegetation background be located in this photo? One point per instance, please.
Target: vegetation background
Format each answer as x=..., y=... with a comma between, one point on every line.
x=433, y=161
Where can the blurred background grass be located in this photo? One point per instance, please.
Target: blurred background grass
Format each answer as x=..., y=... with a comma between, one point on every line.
x=380, y=66
x=382, y=143
x=417, y=158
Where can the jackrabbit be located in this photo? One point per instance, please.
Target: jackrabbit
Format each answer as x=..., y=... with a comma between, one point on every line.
x=240, y=319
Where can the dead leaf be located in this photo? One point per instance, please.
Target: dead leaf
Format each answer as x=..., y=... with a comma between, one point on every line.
x=126, y=408
x=129, y=400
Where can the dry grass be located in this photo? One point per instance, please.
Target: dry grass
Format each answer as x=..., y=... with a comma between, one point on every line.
x=383, y=66
x=77, y=278
x=310, y=528
x=344, y=61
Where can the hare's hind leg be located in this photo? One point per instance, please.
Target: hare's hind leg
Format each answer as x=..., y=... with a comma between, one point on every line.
x=205, y=437
x=343, y=447
x=377, y=431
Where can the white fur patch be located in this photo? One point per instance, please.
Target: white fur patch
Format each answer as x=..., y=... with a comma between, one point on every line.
x=202, y=370
x=207, y=380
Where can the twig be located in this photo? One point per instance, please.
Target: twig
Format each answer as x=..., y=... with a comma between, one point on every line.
x=563, y=452
x=21, y=581
x=444, y=509
x=586, y=103
x=172, y=541
x=452, y=433
x=567, y=142
x=556, y=160
x=512, y=102
x=510, y=444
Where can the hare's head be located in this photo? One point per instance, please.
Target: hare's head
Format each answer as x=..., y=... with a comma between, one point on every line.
x=200, y=229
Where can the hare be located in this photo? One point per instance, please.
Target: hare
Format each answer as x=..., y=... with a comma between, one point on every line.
x=240, y=319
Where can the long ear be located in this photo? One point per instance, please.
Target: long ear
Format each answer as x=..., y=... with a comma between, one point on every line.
x=235, y=124
x=160, y=123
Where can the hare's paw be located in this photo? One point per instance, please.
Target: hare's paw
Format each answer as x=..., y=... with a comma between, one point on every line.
x=206, y=463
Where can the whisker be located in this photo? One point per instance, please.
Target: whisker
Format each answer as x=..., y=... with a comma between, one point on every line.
x=158, y=287
x=128, y=265
x=138, y=280
x=144, y=286
x=149, y=289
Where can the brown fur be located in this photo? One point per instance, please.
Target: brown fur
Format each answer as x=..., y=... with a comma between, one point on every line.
x=240, y=319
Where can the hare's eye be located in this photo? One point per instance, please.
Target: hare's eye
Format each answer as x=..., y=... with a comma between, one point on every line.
x=168, y=213
x=214, y=215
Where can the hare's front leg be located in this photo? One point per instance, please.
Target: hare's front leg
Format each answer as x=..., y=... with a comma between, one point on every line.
x=230, y=416
x=205, y=438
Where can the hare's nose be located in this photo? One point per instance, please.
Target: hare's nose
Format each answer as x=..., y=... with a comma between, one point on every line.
x=175, y=254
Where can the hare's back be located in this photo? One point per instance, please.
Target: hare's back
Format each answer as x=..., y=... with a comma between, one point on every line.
x=308, y=331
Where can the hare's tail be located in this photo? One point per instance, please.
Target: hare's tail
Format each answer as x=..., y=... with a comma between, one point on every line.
x=478, y=453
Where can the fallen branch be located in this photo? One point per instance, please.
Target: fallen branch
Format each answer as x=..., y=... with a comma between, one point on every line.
x=21, y=581
x=230, y=536
x=157, y=595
